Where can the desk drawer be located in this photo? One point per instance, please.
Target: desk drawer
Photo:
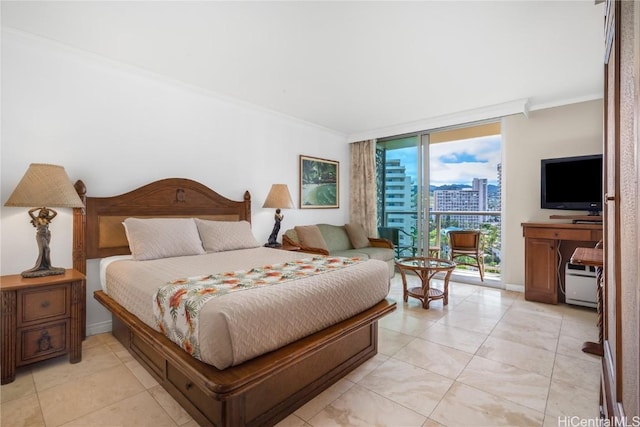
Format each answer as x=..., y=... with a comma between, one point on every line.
x=584, y=235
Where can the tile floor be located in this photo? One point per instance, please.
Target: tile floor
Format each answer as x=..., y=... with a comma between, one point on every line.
x=489, y=358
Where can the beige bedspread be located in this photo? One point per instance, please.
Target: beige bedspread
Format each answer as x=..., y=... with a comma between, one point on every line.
x=242, y=325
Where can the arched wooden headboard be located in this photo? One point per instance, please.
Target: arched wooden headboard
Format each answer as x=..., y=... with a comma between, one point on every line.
x=98, y=230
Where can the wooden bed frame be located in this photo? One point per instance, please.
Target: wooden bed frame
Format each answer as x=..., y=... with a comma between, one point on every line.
x=258, y=392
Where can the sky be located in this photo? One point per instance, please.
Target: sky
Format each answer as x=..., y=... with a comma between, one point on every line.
x=457, y=162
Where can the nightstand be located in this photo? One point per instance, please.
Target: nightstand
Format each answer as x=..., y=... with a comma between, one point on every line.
x=41, y=319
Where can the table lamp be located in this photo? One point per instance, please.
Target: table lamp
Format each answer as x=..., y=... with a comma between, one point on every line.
x=45, y=186
x=278, y=198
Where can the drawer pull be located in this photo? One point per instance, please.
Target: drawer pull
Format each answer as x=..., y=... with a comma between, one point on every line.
x=44, y=342
x=188, y=385
x=45, y=304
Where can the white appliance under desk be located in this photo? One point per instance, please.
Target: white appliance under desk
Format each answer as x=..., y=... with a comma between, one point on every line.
x=580, y=285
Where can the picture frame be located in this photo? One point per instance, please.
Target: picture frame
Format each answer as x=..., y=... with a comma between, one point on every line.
x=319, y=183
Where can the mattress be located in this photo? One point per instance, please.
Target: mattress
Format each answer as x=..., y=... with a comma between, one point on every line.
x=240, y=326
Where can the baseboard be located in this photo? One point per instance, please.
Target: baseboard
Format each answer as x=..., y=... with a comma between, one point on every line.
x=474, y=279
x=99, y=328
x=515, y=288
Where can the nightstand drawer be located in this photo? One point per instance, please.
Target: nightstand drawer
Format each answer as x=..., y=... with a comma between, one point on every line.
x=43, y=304
x=42, y=342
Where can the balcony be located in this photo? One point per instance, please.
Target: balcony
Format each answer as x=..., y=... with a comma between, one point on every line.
x=440, y=222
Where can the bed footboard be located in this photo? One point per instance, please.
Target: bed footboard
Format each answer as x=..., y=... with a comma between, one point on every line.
x=261, y=391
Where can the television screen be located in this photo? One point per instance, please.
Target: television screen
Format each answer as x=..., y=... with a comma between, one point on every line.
x=573, y=183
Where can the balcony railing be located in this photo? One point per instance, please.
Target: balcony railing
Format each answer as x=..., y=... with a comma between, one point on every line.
x=442, y=221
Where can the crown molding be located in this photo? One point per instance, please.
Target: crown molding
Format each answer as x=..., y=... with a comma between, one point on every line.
x=519, y=106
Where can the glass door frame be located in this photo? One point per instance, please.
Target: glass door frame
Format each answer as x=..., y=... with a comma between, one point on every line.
x=424, y=221
x=421, y=147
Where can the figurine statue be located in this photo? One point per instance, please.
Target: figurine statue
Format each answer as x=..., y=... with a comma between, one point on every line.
x=272, y=242
x=43, y=237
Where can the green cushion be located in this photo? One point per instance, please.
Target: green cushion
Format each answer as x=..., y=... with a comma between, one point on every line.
x=336, y=237
x=382, y=254
x=351, y=253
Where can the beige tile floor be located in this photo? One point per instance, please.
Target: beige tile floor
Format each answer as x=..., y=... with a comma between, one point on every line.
x=489, y=358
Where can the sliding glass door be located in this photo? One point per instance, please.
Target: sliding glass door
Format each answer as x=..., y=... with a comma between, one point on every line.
x=399, y=176
x=432, y=182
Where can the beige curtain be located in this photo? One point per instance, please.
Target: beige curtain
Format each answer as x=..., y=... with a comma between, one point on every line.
x=362, y=185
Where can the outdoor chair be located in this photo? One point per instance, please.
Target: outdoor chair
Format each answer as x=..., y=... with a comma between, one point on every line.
x=466, y=247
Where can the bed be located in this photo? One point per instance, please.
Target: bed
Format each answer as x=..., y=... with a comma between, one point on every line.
x=246, y=390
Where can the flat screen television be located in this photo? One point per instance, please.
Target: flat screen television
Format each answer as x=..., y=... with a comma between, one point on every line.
x=572, y=183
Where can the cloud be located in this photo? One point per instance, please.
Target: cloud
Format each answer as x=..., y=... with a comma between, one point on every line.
x=457, y=162
x=459, y=158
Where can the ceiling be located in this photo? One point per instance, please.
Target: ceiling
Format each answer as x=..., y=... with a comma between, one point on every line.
x=353, y=67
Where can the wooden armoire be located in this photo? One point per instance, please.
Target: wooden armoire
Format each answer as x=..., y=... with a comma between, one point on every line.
x=620, y=363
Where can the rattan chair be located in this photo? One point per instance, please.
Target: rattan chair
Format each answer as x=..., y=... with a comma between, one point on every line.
x=466, y=247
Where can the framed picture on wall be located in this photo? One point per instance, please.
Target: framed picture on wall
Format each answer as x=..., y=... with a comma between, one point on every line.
x=319, y=183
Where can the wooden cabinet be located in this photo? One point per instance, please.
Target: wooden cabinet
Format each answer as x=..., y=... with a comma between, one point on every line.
x=620, y=384
x=41, y=318
x=540, y=271
x=547, y=248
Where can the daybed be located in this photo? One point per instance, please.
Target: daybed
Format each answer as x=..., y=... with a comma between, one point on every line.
x=252, y=373
x=348, y=240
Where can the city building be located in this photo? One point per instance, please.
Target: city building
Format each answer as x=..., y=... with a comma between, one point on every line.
x=399, y=211
x=458, y=200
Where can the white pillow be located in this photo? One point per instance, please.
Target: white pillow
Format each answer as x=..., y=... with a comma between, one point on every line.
x=155, y=238
x=218, y=236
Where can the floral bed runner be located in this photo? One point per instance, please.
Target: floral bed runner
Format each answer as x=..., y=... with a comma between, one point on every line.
x=176, y=305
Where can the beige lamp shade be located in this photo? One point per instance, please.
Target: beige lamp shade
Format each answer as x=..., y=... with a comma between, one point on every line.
x=41, y=188
x=45, y=185
x=279, y=197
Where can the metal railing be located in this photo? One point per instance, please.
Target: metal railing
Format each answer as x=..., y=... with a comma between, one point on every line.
x=441, y=221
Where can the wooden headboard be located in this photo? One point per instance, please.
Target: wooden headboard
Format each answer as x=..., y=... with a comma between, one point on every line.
x=98, y=230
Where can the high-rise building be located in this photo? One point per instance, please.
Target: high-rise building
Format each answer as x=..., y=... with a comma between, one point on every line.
x=458, y=200
x=481, y=186
x=398, y=207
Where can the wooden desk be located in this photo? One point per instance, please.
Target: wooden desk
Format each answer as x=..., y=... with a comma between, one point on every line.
x=547, y=247
x=593, y=257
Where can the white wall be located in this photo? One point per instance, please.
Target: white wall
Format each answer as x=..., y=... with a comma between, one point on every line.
x=117, y=127
x=570, y=130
